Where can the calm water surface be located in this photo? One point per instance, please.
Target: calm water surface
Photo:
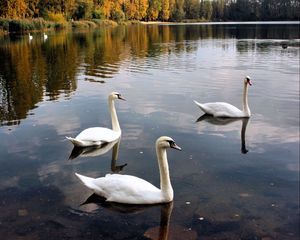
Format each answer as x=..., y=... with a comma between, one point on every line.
x=233, y=180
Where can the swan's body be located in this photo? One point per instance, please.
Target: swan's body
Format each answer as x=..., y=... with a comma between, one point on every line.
x=222, y=109
x=133, y=190
x=96, y=136
x=30, y=36
x=45, y=36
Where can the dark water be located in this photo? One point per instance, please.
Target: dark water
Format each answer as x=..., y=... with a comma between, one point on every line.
x=233, y=179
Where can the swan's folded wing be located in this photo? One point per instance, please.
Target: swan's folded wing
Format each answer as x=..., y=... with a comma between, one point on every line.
x=98, y=134
x=128, y=189
x=221, y=109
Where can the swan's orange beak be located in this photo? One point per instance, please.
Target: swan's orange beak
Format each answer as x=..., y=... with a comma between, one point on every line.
x=249, y=82
x=119, y=97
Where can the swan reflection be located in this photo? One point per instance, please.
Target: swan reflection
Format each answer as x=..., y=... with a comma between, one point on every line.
x=225, y=121
x=160, y=232
x=99, y=201
x=100, y=150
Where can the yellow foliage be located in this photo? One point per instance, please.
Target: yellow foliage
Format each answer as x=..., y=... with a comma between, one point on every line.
x=56, y=17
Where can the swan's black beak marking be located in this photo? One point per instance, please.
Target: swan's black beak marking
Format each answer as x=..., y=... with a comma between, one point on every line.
x=249, y=81
x=119, y=97
x=175, y=146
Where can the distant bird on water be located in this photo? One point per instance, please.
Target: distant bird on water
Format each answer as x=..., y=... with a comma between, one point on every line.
x=45, y=36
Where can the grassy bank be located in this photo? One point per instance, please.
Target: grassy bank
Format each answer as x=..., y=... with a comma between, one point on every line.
x=39, y=24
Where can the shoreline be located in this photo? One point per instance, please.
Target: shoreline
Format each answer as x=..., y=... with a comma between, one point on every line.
x=22, y=26
x=218, y=23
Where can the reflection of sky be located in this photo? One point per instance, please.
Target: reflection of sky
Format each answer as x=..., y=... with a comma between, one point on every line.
x=160, y=102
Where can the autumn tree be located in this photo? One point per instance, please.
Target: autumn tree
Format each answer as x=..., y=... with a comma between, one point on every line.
x=142, y=8
x=117, y=13
x=13, y=8
x=32, y=8
x=165, y=13
x=130, y=8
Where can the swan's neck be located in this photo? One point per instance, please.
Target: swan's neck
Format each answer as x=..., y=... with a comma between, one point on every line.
x=246, y=108
x=114, y=117
x=165, y=183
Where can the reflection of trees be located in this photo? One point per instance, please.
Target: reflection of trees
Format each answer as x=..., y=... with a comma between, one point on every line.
x=27, y=70
x=103, y=51
x=21, y=85
x=61, y=60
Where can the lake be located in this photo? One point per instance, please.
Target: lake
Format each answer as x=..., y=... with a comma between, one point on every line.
x=234, y=179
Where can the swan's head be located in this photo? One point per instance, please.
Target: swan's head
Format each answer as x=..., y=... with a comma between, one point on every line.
x=248, y=80
x=116, y=95
x=166, y=142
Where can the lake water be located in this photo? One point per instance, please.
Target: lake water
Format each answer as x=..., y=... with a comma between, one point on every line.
x=233, y=180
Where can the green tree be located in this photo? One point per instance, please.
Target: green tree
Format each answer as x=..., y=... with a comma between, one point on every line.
x=178, y=13
x=219, y=9
x=191, y=8
x=206, y=9
x=83, y=9
x=155, y=6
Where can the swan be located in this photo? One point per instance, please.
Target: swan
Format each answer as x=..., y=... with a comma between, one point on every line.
x=30, y=36
x=45, y=36
x=222, y=109
x=97, y=136
x=129, y=189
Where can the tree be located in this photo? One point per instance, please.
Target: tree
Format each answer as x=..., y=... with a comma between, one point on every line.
x=178, y=13
x=219, y=9
x=165, y=13
x=155, y=6
x=13, y=8
x=191, y=8
x=207, y=9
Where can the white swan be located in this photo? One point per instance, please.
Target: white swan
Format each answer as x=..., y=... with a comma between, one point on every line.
x=133, y=190
x=222, y=109
x=96, y=136
x=30, y=36
x=45, y=36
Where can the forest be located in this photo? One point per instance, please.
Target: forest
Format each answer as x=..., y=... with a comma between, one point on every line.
x=151, y=10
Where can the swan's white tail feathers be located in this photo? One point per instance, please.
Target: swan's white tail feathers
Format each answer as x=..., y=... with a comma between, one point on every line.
x=200, y=105
x=75, y=142
x=87, y=181
x=197, y=103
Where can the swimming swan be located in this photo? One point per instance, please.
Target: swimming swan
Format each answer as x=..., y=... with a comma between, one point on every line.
x=133, y=190
x=45, y=36
x=222, y=109
x=30, y=36
x=96, y=136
